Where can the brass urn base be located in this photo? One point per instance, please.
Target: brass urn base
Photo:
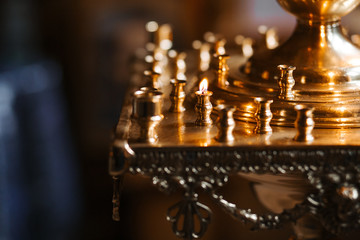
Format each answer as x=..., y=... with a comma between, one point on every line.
x=327, y=75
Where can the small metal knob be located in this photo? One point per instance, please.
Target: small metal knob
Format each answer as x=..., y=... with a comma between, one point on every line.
x=225, y=123
x=177, y=96
x=263, y=116
x=147, y=104
x=286, y=82
x=304, y=123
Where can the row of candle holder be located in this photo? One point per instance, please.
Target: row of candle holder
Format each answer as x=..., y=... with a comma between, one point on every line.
x=147, y=110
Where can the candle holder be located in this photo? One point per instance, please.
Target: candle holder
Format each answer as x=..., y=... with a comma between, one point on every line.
x=290, y=178
x=153, y=79
x=286, y=82
x=147, y=104
x=263, y=116
x=225, y=123
x=222, y=71
x=203, y=108
x=304, y=123
x=177, y=96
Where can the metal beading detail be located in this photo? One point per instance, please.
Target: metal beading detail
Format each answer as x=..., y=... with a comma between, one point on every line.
x=335, y=180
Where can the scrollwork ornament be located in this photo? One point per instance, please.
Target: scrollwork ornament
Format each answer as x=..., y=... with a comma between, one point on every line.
x=336, y=183
x=184, y=215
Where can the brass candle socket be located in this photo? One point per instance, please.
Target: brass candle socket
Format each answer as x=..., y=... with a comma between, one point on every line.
x=147, y=104
x=177, y=96
x=203, y=108
x=222, y=70
x=225, y=123
x=263, y=116
x=153, y=79
x=286, y=82
x=304, y=123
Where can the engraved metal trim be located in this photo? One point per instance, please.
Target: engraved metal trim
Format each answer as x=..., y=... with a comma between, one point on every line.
x=209, y=169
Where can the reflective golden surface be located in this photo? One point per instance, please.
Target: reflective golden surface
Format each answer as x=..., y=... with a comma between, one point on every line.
x=203, y=108
x=177, y=96
x=225, y=123
x=263, y=116
x=304, y=124
x=319, y=9
x=327, y=75
x=147, y=113
x=180, y=131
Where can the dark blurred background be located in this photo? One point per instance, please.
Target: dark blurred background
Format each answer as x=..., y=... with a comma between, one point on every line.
x=63, y=72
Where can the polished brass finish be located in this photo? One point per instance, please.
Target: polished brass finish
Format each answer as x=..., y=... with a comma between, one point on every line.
x=177, y=95
x=225, y=123
x=320, y=173
x=263, y=116
x=327, y=69
x=153, y=79
x=222, y=70
x=318, y=45
x=304, y=123
x=203, y=108
x=186, y=156
x=147, y=104
x=286, y=82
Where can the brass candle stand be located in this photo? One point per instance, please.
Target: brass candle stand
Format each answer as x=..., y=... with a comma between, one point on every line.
x=312, y=153
x=286, y=82
x=304, y=124
x=263, y=116
x=225, y=123
x=203, y=107
x=177, y=96
x=153, y=79
x=147, y=106
x=222, y=70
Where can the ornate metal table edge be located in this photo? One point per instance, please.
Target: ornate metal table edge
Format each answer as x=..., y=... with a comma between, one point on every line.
x=332, y=172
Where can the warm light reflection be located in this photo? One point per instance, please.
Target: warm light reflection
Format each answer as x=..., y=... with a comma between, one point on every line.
x=220, y=47
x=247, y=48
x=249, y=107
x=342, y=135
x=303, y=79
x=337, y=93
x=342, y=109
x=331, y=74
x=272, y=40
x=323, y=36
x=203, y=87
